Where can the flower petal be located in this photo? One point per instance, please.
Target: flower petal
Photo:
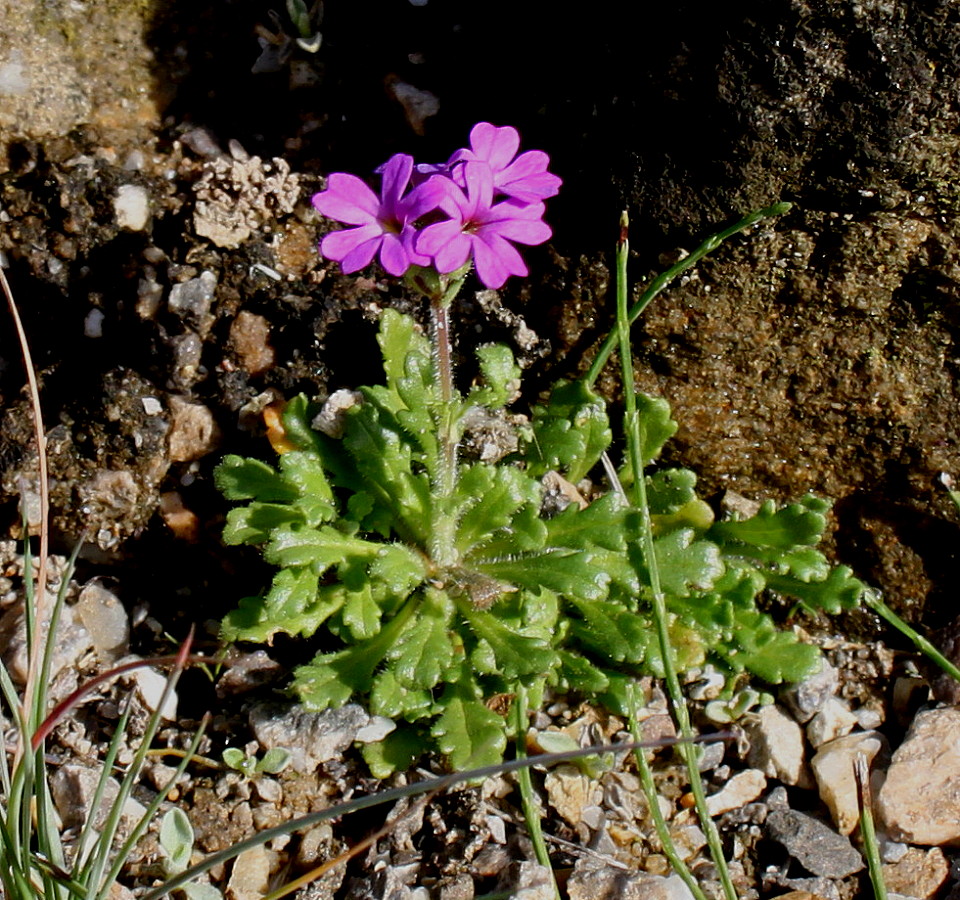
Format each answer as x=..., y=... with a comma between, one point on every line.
x=495, y=263
x=361, y=255
x=527, y=178
x=393, y=255
x=396, y=177
x=453, y=254
x=338, y=244
x=496, y=146
x=479, y=179
x=347, y=199
x=434, y=237
x=523, y=231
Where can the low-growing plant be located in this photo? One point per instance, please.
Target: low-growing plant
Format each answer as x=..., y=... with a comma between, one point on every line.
x=437, y=579
x=274, y=761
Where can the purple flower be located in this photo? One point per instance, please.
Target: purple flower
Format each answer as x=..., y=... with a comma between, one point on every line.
x=525, y=178
x=480, y=228
x=384, y=223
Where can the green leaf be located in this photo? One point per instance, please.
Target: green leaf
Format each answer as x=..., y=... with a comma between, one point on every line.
x=516, y=654
x=487, y=499
x=613, y=633
x=256, y=522
x=569, y=572
x=656, y=426
x=176, y=838
x=468, y=733
x=423, y=655
x=391, y=699
x=304, y=471
x=299, y=545
x=501, y=377
x=686, y=563
x=397, y=752
x=570, y=433
x=838, y=591
x=400, y=340
x=797, y=524
x=670, y=489
x=274, y=761
x=238, y=478
x=581, y=675
x=297, y=428
x=294, y=605
x=361, y=614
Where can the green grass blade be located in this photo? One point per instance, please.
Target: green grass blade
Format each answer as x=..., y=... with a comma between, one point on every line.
x=633, y=429
x=662, y=280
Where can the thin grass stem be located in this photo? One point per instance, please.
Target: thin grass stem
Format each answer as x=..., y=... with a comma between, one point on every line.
x=531, y=813
x=662, y=280
x=867, y=832
x=633, y=428
x=650, y=792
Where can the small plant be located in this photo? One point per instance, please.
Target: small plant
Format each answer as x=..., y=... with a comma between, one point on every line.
x=274, y=761
x=176, y=841
x=437, y=581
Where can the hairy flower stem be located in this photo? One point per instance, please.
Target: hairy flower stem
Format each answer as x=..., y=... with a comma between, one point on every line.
x=443, y=549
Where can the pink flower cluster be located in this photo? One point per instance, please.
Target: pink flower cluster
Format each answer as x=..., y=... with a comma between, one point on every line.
x=477, y=205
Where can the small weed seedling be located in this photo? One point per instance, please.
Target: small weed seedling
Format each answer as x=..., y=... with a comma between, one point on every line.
x=273, y=761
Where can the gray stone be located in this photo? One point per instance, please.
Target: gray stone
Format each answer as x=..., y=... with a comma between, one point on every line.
x=808, y=697
x=594, y=881
x=816, y=846
x=105, y=619
x=312, y=738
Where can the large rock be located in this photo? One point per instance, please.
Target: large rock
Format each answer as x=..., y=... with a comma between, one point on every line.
x=920, y=800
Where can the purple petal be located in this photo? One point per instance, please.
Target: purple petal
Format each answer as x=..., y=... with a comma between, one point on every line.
x=361, y=255
x=492, y=263
x=453, y=254
x=434, y=237
x=479, y=179
x=523, y=231
x=496, y=146
x=347, y=199
x=527, y=177
x=424, y=198
x=396, y=177
x=409, y=237
x=339, y=244
x=393, y=255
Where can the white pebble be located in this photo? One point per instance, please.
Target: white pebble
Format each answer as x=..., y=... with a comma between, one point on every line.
x=93, y=323
x=131, y=207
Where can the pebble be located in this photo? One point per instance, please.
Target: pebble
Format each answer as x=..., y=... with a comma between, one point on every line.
x=131, y=207
x=593, y=881
x=93, y=323
x=73, y=788
x=920, y=799
x=817, y=847
x=312, y=738
x=569, y=791
x=193, y=432
x=833, y=769
x=192, y=299
x=104, y=617
x=150, y=684
x=533, y=882
x=250, y=876
x=250, y=341
x=776, y=746
x=832, y=721
x=918, y=873
x=73, y=641
x=739, y=790
x=808, y=697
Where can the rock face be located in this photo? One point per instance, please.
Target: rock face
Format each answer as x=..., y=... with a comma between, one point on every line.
x=920, y=800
